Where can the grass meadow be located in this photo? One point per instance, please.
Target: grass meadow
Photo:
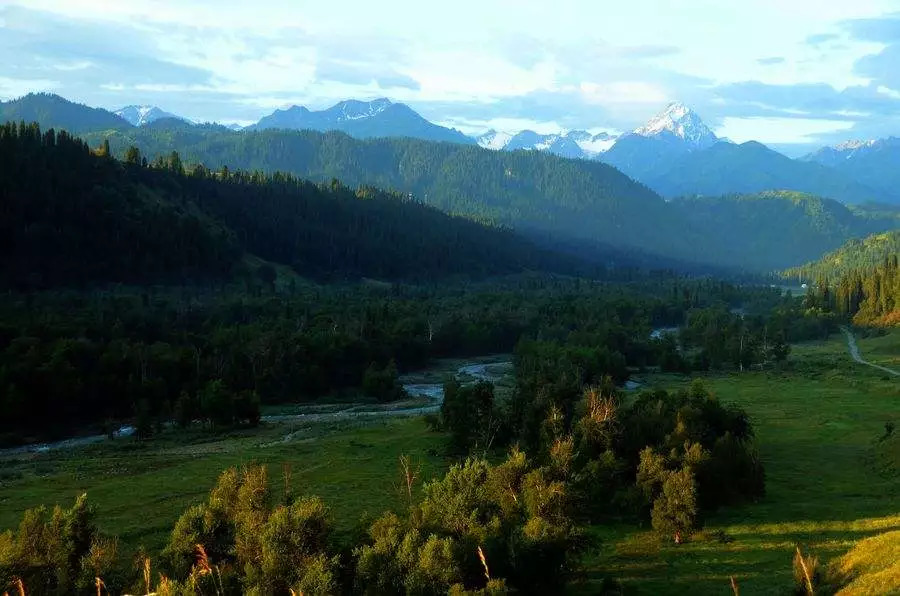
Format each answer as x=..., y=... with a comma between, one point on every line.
x=816, y=424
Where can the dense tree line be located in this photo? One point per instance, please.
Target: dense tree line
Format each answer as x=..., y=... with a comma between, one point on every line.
x=869, y=296
x=73, y=216
x=114, y=354
x=671, y=456
x=856, y=255
x=774, y=229
x=68, y=216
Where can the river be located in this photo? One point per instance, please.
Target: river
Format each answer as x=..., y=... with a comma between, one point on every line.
x=425, y=384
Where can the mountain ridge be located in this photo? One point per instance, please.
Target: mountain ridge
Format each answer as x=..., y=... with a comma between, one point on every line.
x=377, y=118
x=140, y=115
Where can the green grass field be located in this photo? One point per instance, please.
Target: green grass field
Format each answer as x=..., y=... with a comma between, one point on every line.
x=815, y=425
x=815, y=428
x=883, y=350
x=141, y=489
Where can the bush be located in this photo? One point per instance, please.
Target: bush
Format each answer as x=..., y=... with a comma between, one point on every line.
x=675, y=509
x=57, y=553
x=383, y=384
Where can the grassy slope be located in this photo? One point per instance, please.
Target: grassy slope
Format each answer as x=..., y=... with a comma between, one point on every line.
x=884, y=350
x=873, y=566
x=815, y=430
x=140, y=490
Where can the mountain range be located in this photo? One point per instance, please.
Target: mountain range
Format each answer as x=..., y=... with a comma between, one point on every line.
x=874, y=162
x=577, y=144
x=675, y=153
x=584, y=206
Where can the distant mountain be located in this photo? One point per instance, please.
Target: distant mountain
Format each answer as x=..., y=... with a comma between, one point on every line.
x=654, y=147
x=856, y=254
x=773, y=230
x=875, y=163
x=141, y=115
x=493, y=139
x=679, y=124
x=837, y=154
x=751, y=167
x=580, y=206
x=53, y=111
x=362, y=119
x=577, y=144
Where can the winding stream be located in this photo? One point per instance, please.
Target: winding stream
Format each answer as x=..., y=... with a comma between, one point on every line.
x=427, y=384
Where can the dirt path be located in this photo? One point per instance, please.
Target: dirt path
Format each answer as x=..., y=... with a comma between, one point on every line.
x=854, y=353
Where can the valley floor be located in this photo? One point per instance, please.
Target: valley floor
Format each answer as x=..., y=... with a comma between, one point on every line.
x=815, y=425
x=815, y=428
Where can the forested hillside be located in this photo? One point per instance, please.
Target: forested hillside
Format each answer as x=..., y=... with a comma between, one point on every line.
x=870, y=296
x=73, y=216
x=52, y=111
x=581, y=207
x=857, y=254
x=556, y=200
x=530, y=191
x=770, y=230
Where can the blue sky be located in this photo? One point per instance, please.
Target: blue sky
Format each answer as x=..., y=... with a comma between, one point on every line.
x=791, y=73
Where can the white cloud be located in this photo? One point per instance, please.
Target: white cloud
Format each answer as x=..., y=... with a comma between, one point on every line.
x=461, y=74
x=579, y=63
x=174, y=88
x=623, y=92
x=71, y=66
x=11, y=87
x=779, y=130
x=892, y=93
x=509, y=125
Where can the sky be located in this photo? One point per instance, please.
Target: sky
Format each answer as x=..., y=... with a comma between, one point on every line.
x=794, y=74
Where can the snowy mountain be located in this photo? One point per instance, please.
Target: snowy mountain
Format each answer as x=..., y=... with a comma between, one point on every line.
x=675, y=130
x=141, y=115
x=493, y=139
x=835, y=155
x=653, y=148
x=682, y=123
x=873, y=162
x=577, y=144
x=362, y=119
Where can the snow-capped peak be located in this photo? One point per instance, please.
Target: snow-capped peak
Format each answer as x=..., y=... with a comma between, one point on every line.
x=854, y=144
x=573, y=143
x=355, y=110
x=679, y=120
x=141, y=115
x=596, y=144
x=493, y=139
